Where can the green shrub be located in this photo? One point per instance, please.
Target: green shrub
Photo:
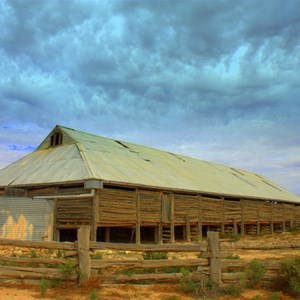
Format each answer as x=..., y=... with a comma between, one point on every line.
x=67, y=270
x=44, y=285
x=256, y=297
x=275, y=296
x=97, y=255
x=33, y=253
x=291, y=274
x=233, y=256
x=188, y=286
x=234, y=237
x=155, y=255
x=93, y=295
x=55, y=282
x=255, y=273
x=234, y=290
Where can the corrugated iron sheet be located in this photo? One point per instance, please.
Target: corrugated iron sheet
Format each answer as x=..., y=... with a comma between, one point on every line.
x=85, y=156
x=26, y=219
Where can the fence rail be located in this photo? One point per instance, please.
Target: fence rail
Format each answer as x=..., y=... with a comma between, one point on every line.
x=206, y=260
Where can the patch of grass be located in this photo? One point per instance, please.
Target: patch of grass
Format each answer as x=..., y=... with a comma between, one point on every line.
x=155, y=255
x=234, y=237
x=67, y=270
x=188, y=286
x=234, y=290
x=60, y=254
x=33, y=254
x=44, y=285
x=233, y=256
x=275, y=296
x=256, y=297
x=93, y=295
x=291, y=275
x=255, y=273
x=97, y=255
x=55, y=282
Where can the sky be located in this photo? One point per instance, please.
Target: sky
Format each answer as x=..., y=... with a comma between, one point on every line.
x=217, y=80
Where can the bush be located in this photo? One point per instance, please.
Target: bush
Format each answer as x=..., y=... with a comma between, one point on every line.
x=234, y=290
x=155, y=255
x=291, y=274
x=234, y=237
x=44, y=285
x=188, y=286
x=255, y=274
x=67, y=270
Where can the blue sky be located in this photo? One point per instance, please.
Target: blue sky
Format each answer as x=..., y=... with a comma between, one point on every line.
x=216, y=80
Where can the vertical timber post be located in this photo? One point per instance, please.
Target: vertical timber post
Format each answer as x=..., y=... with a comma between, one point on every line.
x=283, y=225
x=160, y=225
x=223, y=217
x=138, y=218
x=55, y=230
x=242, y=217
x=94, y=213
x=188, y=229
x=215, y=264
x=83, y=237
x=172, y=229
x=199, y=229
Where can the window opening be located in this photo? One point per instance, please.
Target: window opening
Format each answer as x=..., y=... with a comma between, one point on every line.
x=56, y=139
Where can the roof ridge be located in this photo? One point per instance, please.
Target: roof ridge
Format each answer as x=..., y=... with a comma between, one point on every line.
x=84, y=159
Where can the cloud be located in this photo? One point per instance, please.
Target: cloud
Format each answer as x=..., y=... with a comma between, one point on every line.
x=214, y=79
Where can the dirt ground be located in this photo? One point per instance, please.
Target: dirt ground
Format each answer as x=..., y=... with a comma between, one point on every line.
x=125, y=292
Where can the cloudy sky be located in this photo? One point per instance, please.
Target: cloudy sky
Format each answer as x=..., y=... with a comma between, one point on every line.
x=217, y=80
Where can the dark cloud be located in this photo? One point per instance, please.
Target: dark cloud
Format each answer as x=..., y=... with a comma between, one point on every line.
x=213, y=79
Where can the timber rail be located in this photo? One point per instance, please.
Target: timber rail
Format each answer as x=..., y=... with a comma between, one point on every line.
x=208, y=260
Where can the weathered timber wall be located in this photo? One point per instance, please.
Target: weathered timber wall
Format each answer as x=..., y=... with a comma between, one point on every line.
x=116, y=207
x=186, y=207
x=232, y=211
x=150, y=207
x=74, y=212
x=212, y=211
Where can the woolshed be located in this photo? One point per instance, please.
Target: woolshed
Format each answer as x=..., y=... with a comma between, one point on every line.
x=134, y=194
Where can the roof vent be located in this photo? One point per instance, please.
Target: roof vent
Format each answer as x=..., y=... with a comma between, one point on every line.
x=56, y=139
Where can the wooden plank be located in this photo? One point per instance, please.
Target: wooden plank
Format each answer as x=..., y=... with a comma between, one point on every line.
x=131, y=264
x=94, y=217
x=83, y=237
x=195, y=247
x=172, y=228
x=42, y=245
x=138, y=218
x=215, y=265
x=26, y=260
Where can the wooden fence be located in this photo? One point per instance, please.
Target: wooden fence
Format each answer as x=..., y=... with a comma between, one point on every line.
x=204, y=261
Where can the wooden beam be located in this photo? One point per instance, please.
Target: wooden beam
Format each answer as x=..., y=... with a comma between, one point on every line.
x=138, y=217
x=84, y=259
x=199, y=228
x=215, y=264
x=172, y=228
x=94, y=215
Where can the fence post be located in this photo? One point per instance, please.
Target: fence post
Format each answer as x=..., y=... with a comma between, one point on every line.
x=215, y=264
x=83, y=237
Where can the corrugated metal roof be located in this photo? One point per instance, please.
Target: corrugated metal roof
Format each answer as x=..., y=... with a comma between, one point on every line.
x=84, y=156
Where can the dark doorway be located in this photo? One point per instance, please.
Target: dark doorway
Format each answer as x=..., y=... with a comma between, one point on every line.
x=68, y=235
